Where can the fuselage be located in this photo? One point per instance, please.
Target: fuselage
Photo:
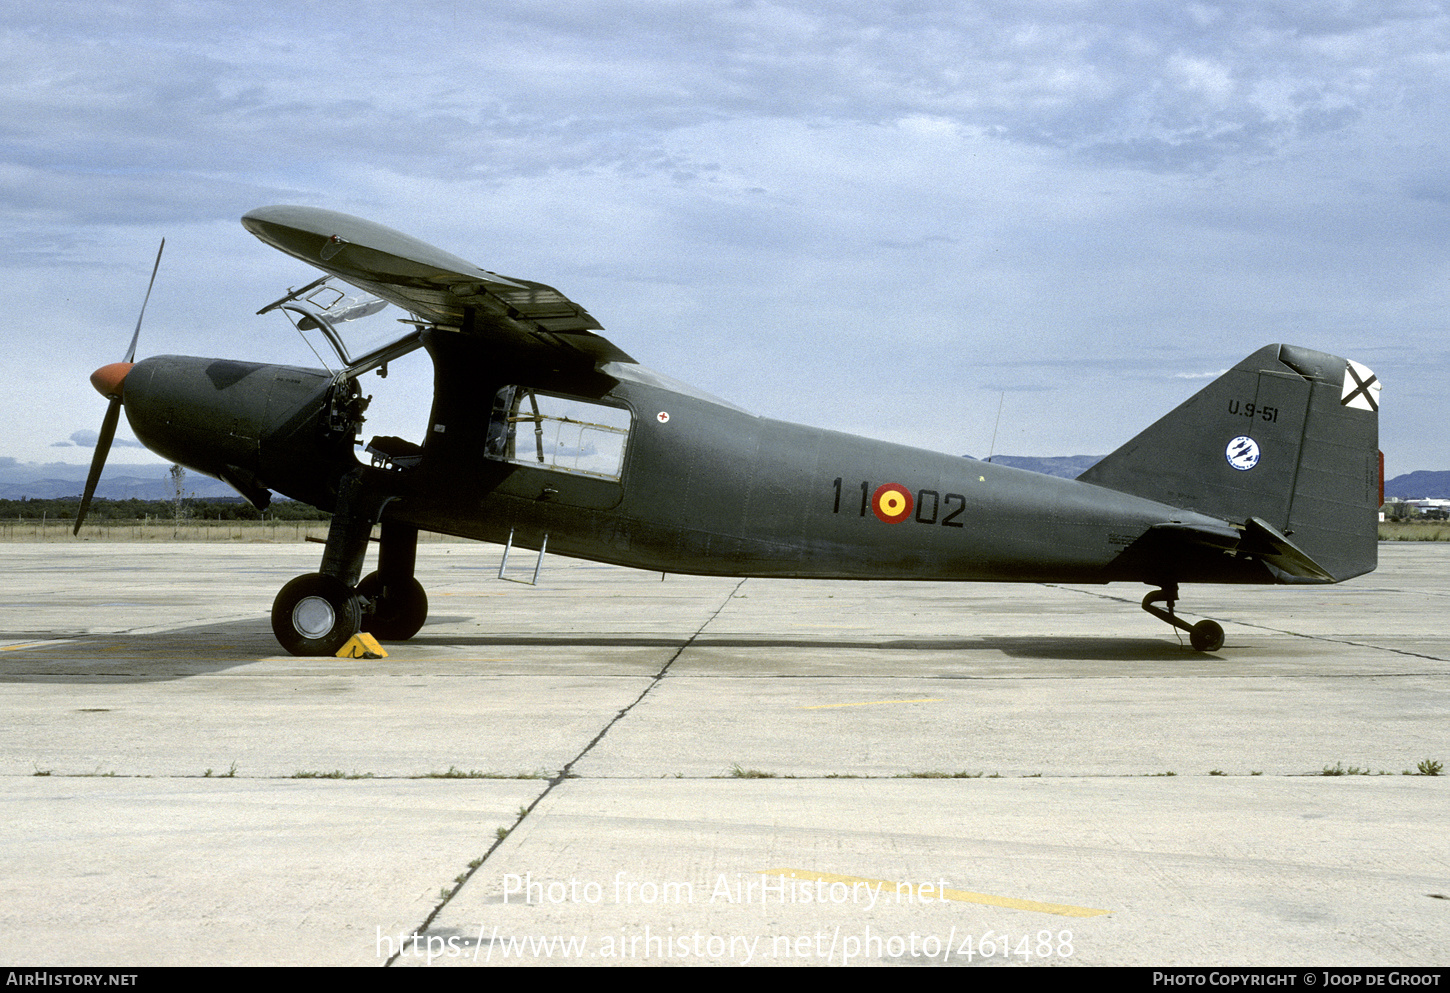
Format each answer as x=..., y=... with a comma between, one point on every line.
x=696, y=486
x=708, y=489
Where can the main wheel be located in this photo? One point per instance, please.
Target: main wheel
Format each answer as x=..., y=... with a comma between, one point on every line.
x=1206, y=636
x=399, y=610
x=316, y=615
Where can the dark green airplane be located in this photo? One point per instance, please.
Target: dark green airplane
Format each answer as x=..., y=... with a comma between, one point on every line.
x=545, y=434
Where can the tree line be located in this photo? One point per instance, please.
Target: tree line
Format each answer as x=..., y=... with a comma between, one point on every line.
x=222, y=509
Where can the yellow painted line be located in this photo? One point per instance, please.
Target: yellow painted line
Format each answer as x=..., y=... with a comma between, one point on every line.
x=32, y=644
x=869, y=703
x=903, y=892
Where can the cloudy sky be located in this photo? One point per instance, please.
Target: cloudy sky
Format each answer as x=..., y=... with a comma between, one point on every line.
x=890, y=218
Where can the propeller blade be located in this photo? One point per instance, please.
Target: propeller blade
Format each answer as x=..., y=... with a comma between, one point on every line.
x=98, y=461
x=113, y=411
x=131, y=352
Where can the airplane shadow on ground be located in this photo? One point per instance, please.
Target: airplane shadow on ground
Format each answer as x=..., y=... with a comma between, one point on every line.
x=1061, y=648
x=61, y=657
x=169, y=655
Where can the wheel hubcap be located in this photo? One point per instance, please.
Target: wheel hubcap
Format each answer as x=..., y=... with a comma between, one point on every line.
x=313, y=617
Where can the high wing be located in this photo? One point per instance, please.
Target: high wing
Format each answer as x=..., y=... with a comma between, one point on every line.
x=436, y=287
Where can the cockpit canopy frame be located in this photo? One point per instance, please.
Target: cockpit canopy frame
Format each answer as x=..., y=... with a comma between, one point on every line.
x=322, y=306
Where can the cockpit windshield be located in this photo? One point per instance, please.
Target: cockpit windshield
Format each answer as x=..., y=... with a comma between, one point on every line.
x=324, y=306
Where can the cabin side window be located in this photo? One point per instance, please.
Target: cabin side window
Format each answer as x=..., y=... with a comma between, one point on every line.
x=565, y=434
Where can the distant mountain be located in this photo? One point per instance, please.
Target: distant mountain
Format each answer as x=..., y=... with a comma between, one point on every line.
x=1066, y=466
x=52, y=480
x=1419, y=485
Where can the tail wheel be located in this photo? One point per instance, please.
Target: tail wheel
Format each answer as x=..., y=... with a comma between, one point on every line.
x=1206, y=636
x=316, y=615
x=398, y=609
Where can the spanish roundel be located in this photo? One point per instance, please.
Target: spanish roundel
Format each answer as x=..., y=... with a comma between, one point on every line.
x=891, y=502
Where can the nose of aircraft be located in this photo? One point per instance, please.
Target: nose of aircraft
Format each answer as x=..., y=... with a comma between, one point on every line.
x=256, y=426
x=108, y=379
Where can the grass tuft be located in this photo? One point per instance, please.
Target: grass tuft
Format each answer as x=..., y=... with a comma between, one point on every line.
x=456, y=773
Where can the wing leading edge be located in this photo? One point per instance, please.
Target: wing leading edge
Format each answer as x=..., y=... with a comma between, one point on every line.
x=433, y=285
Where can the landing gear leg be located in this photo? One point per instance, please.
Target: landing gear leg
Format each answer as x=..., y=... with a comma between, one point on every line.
x=1205, y=636
x=317, y=613
x=397, y=604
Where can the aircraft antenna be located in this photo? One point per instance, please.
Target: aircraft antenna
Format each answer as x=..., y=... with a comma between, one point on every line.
x=992, y=449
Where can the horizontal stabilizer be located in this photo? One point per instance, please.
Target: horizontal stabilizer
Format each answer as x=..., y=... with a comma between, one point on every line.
x=1256, y=539
x=1264, y=541
x=1226, y=537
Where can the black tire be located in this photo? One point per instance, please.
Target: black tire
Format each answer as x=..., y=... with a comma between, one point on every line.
x=398, y=613
x=1206, y=636
x=316, y=615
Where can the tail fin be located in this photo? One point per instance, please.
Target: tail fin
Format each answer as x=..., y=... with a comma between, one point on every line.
x=1287, y=438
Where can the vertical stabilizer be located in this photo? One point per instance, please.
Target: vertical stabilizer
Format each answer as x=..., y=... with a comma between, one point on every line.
x=1288, y=437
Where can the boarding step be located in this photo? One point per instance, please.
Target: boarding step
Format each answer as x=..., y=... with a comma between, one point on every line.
x=538, y=563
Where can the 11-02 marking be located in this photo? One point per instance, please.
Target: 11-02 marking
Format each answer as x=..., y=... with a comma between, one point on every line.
x=929, y=504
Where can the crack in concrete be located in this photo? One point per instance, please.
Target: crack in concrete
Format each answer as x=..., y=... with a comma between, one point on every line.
x=565, y=772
